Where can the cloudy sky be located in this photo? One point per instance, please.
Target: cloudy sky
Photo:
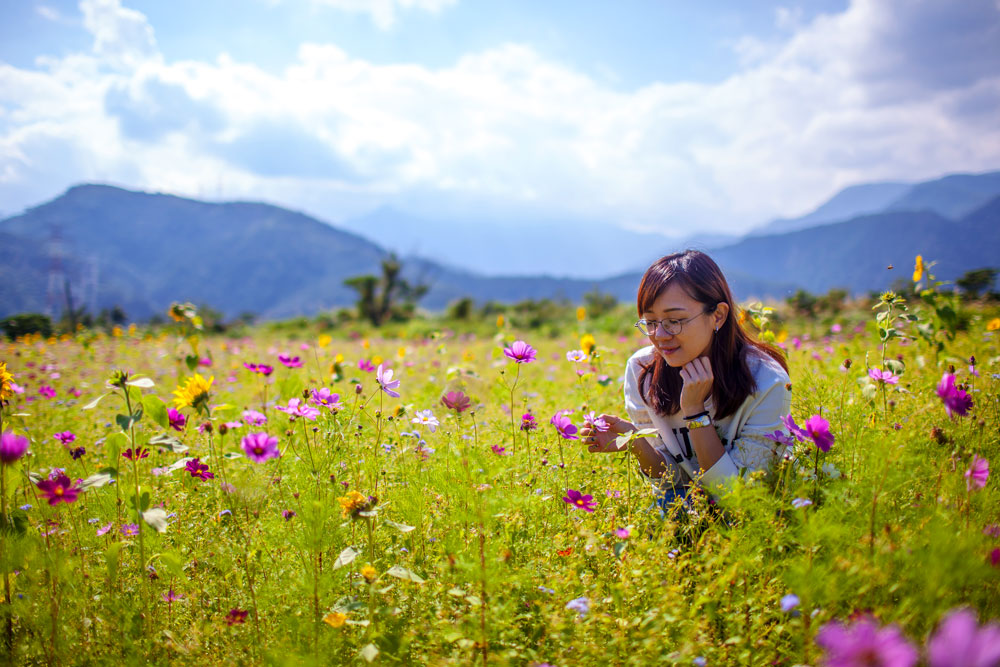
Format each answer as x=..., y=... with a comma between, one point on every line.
x=656, y=114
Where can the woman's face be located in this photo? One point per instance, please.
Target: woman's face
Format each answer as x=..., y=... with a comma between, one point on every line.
x=695, y=337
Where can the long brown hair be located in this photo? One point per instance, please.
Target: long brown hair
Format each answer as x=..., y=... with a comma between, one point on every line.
x=700, y=277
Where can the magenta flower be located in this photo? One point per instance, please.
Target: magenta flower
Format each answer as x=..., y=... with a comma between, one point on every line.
x=12, y=447
x=177, y=419
x=288, y=514
x=520, y=352
x=498, y=450
x=880, y=375
x=580, y=501
x=977, y=474
x=290, y=362
x=130, y=529
x=59, y=490
x=622, y=533
x=960, y=642
x=780, y=437
x=366, y=365
x=865, y=643
x=66, y=437
x=170, y=596
x=816, y=430
x=236, y=617
x=456, y=400
x=199, y=469
x=565, y=427
x=528, y=422
x=296, y=408
x=596, y=423
x=254, y=418
x=956, y=400
x=326, y=398
x=138, y=453
x=385, y=381
x=260, y=447
x=47, y=391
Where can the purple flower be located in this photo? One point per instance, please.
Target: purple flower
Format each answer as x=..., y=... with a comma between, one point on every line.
x=66, y=437
x=960, y=642
x=385, y=381
x=254, y=418
x=326, y=398
x=296, y=408
x=977, y=474
x=47, y=391
x=528, y=422
x=77, y=452
x=622, y=533
x=263, y=369
x=236, y=617
x=864, y=643
x=129, y=529
x=596, y=423
x=170, y=596
x=177, y=419
x=565, y=427
x=816, y=429
x=579, y=500
x=366, y=365
x=59, y=490
x=199, y=469
x=579, y=605
x=290, y=362
x=799, y=503
x=288, y=514
x=789, y=602
x=498, y=450
x=136, y=454
x=103, y=530
x=576, y=356
x=260, y=447
x=956, y=400
x=12, y=447
x=520, y=352
x=780, y=437
x=456, y=400
x=880, y=375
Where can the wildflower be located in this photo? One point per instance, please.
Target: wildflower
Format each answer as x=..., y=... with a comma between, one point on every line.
x=335, y=619
x=136, y=454
x=955, y=400
x=528, y=422
x=205, y=427
x=130, y=529
x=426, y=418
x=993, y=325
x=564, y=426
x=622, y=533
x=789, y=602
x=326, y=398
x=12, y=447
x=254, y=418
x=77, y=452
x=324, y=340
x=961, y=642
x=596, y=423
x=498, y=450
x=385, y=381
x=994, y=557
x=6, y=382
x=799, y=503
x=199, y=469
x=456, y=400
x=880, y=375
x=177, y=419
x=103, y=530
x=369, y=573
x=547, y=590
x=580, y=605
x=236, y=617
x=579, y=500
x=918, y=269
x=977, y=474
x=47, y=391
x=576, y=356
x=864, y=643
x=260, y=447
x=194, y=393
x=353, y=503
x=588, y=343
x=296, y=408
x=288, y=514
x=290, y=362
x=520, y=352
x=59, y=490
x=170, y=596
x=780, y=437
x=366, y=365
x=816, y=429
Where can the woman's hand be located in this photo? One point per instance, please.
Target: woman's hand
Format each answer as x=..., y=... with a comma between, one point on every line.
x=599, y=441
x=698, y=378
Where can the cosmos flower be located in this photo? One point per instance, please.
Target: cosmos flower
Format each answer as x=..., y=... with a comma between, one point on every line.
x=520, y=352
x=326, y=398
x=977, y=474
x=596, y=423
x=576, y=356
x=12, y=447
x=366, y=365
x=865, y=643
x=961, y=642
x=385, y=381
x=956, y=401
x=456, y=400
x=781, y=438
x=564, y=426
x=580, y=501
x=136, y=454
x=254, y=418
x=199, y=469
x=816, y=430
x=880, y=375
x=426, y=418
x=259, y=447
x=290, y=362
x=498, y=450
x=528, y=422
x=296, y=408
x=47, y=391
x=177, y=419
x=59, y=490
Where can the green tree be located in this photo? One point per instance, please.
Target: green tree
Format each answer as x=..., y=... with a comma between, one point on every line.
x=598, y=303
x=386, y=297
x=974, y=282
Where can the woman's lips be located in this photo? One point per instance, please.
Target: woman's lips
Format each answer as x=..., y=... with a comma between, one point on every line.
x=668, y=350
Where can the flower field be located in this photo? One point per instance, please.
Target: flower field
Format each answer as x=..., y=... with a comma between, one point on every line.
x=414, y=496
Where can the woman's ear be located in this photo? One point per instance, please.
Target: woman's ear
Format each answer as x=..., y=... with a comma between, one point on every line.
x=720, y=314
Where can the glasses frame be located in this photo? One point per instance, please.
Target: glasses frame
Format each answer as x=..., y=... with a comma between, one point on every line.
x=662, y=324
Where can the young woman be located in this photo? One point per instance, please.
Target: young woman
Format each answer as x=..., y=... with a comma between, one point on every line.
x=711, y=392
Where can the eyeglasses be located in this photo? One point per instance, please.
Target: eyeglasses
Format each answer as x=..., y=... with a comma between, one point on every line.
x=672, y=327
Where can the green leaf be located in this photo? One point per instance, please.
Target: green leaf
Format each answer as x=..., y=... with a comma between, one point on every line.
x=156, y=409
x=369, y=652
x=93, y=403
x=143, y=500
x=192, y=361
x=232, y=455
x=173, y=562
x=168, y=442
x=401, y=572
x=156, y=517
x=97, y=480
x=401, y=527
x=127, y=422
x=111, y=559
x=141, y=382
x=115, y=443
x=346, y=557
x=619, y=549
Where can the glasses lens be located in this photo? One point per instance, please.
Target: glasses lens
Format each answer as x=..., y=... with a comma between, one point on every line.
x=643, y=327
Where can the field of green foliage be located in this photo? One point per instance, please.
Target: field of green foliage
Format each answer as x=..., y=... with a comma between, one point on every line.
x=298, y=496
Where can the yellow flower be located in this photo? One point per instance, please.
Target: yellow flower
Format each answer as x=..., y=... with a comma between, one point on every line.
x=339, y=359
x=194, y=392
x=782, y=336
x=587, y=343
x=116, y=331
x=467, y=355
x=376, y=360
x=366, y=343
x=369, y=573
x=324, y=340
x=335, y=619
x=5, y=380
x=131, y=329
x=918, y=269
x=500, y=321
x=993, y=324
x=351, y=503
x=581, y=314
x=401, y=352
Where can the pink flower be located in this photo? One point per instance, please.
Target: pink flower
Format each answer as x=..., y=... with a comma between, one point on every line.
x=528, y=422
x=170, y=596
x=622, y=533
x=580, y=501
x=199, y=469
x=296, y=408
x=564, y=426
x=520, y=352
x=290, y=362
x=576, y=356
x=259, y=447
x=254, y=418
x=326, y=398
x=47, y=391
x=955, y=400
x=385, y=381
x=596, y=423
x=366, y=365
x=961, y=642
x=12, y=447
x=977, y=474
x=816, y=429
x=103, y=530
x=136, y=454
x=59, y=490
x=66, y=437
x=865, y=643
x=780, y=437
x=883, y=376
x=456, y=400
x=498, y=450
x=236, y=617
x=177, y=419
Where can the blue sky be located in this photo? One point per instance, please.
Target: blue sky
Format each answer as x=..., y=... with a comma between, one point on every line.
x=666, y=115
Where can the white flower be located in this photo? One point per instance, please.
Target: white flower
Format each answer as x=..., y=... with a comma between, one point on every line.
x=426, y=418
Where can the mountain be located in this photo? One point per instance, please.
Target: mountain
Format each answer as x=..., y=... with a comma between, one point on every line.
x=848, y=203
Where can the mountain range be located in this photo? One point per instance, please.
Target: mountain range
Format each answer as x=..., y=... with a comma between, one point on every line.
x=141, y=251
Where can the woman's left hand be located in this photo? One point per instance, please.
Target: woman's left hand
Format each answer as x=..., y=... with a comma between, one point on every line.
x=698, y=378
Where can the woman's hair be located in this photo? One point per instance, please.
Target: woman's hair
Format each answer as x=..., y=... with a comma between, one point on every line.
x=701, y=278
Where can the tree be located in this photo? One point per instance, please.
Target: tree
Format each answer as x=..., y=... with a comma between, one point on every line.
x=387, y=297
x=974, y=282
x=598, y=303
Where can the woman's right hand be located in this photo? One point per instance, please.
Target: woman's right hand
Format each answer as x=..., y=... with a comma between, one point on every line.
x=604, y=442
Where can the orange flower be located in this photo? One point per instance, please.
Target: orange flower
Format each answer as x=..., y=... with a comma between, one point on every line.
x=565, y=552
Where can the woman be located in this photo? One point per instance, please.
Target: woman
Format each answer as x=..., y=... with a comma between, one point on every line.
x=712, y=393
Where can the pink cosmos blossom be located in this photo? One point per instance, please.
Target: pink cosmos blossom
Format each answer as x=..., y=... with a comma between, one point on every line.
x=564, y=426
x=578, y=500
x=259, y=447
x=880, y=375
x=47, y=391
x=520, y=352
x=325, y=398
x=66, y=437
x=816, y=429
x=961, y=642
x=596, y=423
x=528, y=422
x=254, y=418
x=290, y=362
x=296, y=408
x=12, y=447
x=576, y=356
x=955, y=400
x=385, y=381
x=103, y=530
x=199, y=469
x=263, y=369
x=622, y=533
x=498, y=450
x=780, y=437
x=366, y=365
x=426, y=418
x=977, y=474
x=865, y=643
x=59, y=490
x=456, y=400
x=177, y=419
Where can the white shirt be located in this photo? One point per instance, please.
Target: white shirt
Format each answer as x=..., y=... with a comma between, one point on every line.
x=741, y=433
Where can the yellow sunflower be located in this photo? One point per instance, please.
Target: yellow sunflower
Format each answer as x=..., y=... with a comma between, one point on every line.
x=194, y=392
x=587, y=343
x=352, y=503
x=6, y=391
x=335, y=619
x=918, y=269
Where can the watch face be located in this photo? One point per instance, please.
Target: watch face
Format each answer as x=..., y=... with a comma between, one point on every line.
x=704, y=420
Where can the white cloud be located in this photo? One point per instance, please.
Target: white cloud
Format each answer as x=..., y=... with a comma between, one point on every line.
x=384, y=12
x=847, y=98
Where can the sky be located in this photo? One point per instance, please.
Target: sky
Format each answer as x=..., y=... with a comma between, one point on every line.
x=660, y=115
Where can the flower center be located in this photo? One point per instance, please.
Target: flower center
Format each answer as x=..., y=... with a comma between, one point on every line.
x=58, y=491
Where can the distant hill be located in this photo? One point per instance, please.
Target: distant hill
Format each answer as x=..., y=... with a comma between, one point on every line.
x=848, y=203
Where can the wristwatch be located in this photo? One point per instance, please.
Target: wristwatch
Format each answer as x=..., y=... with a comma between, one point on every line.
x=699, y=420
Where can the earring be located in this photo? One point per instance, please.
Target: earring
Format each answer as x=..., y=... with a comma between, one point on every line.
x=716, y=328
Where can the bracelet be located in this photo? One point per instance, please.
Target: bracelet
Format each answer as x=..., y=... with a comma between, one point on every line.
x=703, y=413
